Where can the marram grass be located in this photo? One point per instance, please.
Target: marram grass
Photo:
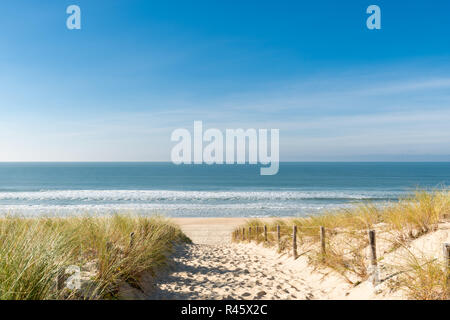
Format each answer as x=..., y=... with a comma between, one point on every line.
x=34, y=251
x=396, y=224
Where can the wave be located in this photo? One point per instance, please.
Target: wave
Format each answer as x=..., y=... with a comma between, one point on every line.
x=185, y=203
x=174, y=210
x=200, y=196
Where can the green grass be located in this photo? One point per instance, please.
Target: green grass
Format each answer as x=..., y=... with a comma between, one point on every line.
x=34, y=251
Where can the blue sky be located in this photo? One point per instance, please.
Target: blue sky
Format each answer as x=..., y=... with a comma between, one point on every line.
x=137, y=70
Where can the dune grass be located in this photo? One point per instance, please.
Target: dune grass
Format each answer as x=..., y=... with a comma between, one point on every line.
x=35, y=251
x=396, y=224
x=426, y=280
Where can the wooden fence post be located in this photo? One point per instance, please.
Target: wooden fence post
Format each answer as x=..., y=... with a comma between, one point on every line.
x=446, y=248
x=322, y=242
x=131, y=239
x=257, y=233
x=249, y=234
x=278, y=237
x=265, y=233
x=294, y=242
x=373, y=257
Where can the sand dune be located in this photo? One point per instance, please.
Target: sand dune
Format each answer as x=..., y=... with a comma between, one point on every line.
x=215, y=268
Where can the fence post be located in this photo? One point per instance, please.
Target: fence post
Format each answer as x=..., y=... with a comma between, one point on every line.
x=265, y=233
x=373, y=257
x=294, y=241
x=131, y=239
x=446, y=248
x=278, y=237
x=243, y=234
x=257, y=233
x=249, y=234
x=322, y=242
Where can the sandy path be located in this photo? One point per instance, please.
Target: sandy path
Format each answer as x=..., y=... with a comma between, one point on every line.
x=215, y=268
x=209, y=230
x=229, y=271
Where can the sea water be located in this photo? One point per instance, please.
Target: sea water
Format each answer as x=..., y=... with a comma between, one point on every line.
x=208, y=190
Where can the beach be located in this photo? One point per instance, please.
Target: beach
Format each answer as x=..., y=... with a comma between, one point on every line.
x=224, y=150
x=208, y=258
x=215, y=268
x=208, y=203
x=210, y=231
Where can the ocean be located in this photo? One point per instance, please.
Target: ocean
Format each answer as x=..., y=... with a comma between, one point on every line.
x=299, y=189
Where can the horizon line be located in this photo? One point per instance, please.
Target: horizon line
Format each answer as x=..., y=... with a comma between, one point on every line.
x=310, y=161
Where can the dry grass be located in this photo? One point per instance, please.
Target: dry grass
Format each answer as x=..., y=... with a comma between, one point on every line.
x=347, y=242
x=33, y=252
x=426, y=280
x=423, y=277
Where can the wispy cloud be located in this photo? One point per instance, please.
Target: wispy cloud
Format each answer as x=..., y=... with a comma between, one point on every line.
x=318, y=119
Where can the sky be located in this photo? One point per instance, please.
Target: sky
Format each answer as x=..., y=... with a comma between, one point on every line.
x=137, y=70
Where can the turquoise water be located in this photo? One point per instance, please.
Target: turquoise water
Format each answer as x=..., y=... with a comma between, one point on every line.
x=202, y=190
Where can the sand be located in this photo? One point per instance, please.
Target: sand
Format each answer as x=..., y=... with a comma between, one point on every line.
x=211, y=231
x=214, y=268
x=226, y=271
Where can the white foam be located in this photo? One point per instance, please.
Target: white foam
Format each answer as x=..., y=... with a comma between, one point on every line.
x=237, y=209
x=168, y=195
x=182, y=203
